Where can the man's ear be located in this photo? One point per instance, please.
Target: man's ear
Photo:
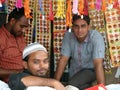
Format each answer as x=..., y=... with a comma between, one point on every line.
x=12, y=21
x=25, y=64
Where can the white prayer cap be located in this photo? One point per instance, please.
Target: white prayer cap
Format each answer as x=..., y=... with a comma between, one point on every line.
x=33, y=47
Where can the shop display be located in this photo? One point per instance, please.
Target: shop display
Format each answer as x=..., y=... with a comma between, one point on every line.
x=49, y=19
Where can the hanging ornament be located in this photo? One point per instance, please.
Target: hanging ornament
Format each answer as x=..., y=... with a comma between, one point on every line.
x=116, y=4
x=98, y=4
x=85, y=10
x=103, y=5
x=41, y=9
x=0, y=3
x=119, y=4
x=69, y=14
x=27, y=9
x=110, y=4
x=81, y=6
x=51, y=16
x=19, y=4
x=60, y=9
x=75, y=7
x=92, y=5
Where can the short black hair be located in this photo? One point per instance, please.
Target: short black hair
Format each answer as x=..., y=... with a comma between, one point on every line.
x=17, y=13
x=26, y=58
x=84, y=17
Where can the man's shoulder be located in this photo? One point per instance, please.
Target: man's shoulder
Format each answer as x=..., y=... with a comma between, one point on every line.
x=95, y=33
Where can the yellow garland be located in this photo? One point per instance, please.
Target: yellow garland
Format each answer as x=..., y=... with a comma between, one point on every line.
x=60, y=9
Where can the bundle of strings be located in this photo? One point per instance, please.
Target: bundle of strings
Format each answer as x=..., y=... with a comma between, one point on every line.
x=69, y=14
x=60, y=9
x=51, y=16
x=27, y=9
x=19, y=4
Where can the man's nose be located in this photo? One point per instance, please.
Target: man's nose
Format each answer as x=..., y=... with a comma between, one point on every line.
x=41, y=64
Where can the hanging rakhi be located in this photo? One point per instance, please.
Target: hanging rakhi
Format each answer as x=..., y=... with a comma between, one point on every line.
x=69, y=15
x=116, y=4
x=60, y=10
x=110, y=5
x=103, y=5
x=98, y=4
x=19, y=4
x=81, y=7
x=51, y=16
x=27, y=9
x=119, y=4
x=92, y=4
x=85, y=7
x=41, y=9
x=0, y=3
x=75, y=6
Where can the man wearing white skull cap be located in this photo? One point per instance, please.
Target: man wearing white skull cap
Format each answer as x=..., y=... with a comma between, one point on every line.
x=36, y=64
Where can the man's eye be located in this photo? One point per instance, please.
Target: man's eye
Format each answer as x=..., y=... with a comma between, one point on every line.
x=75, y=26
x=83, y=26
x=35, y=62
x=46, y=61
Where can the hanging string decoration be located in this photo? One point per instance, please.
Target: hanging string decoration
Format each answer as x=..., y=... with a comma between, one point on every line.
x=75, y=6
x=98, y=4
x=43, y=30
x=113, y=33
x=27, y=9
x=69, y=13
x=92, y=4
x=81, y=7
x=41, y=9
x=85, y=7
x=19, y=4
x=98, y=23
x=116, y=4
x=0, y=3
x=51, y=15
x=59, y=28
x=60, y=9
x=103, y=5
x=29, y=32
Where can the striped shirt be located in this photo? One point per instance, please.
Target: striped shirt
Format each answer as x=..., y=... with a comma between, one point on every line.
x=11, y=50
x=84, y=53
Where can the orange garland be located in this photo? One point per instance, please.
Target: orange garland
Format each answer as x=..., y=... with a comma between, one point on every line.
x=27, y=9
x=92, y=6
x=69, y=14
x=103, y=5
x=81, y=6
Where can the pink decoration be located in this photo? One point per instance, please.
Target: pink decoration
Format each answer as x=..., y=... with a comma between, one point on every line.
x=98, y=4
x=75, y=7
x=2, y=1
x=19, y=4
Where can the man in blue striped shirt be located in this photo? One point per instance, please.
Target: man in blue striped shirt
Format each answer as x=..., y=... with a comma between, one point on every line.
x=86, y=49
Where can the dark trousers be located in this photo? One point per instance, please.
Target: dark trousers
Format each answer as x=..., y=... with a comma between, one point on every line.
x=83, y=79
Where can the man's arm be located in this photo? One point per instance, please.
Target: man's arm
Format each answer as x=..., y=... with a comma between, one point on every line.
x=98, y=63
x=38, y=81
x=61, y=67
x=5, y=73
